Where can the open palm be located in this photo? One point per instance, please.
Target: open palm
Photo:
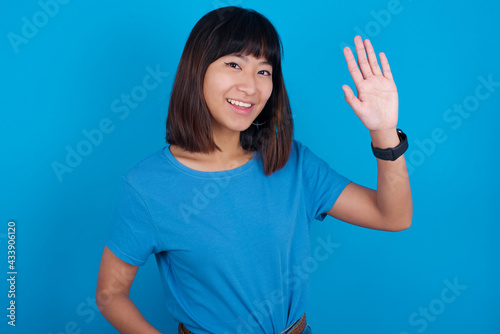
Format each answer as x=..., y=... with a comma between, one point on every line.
x=377, y=102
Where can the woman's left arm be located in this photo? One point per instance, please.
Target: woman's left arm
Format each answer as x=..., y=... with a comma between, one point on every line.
x=390, y=206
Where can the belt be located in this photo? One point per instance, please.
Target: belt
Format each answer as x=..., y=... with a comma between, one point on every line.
x=295, y=330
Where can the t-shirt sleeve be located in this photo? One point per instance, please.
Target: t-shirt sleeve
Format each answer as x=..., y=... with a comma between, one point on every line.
x=322, y=184
x=132, y=236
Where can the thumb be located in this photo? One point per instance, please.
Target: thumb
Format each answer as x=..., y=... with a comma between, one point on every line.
x=351, y=99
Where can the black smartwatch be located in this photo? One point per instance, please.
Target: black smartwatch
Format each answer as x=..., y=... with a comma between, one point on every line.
x=392, y=154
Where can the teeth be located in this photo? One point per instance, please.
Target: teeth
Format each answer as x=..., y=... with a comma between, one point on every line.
x=238, y=103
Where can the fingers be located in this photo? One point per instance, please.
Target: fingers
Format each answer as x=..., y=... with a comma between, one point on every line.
x=372, y=58
x=385, y=66
x=362, y=60
x=352, y=66
x=367, y=59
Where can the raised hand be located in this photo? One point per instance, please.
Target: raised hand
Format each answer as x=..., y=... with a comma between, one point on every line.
x=377, y=102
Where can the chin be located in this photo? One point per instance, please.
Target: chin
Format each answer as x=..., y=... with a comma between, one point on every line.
x=242, y=128
x=232, y=124
x=237, y=126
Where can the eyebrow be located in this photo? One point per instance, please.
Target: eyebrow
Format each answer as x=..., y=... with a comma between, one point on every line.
x=245, y=58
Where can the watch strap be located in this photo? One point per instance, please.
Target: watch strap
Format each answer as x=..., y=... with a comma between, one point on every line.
x=393, y=153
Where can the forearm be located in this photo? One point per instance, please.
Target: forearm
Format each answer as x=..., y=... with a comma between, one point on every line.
x=122, y=313
x=393, y=199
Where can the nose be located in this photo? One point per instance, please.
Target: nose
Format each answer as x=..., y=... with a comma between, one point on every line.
x=247, y=83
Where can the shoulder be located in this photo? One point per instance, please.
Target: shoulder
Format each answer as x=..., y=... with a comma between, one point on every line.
x=301, y=152
x=300, y=158
x=307, y=159
x=298, y=146
x=296, y=149
x=147, y=168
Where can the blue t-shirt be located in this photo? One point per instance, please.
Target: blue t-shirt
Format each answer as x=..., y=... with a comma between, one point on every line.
x=231, y=246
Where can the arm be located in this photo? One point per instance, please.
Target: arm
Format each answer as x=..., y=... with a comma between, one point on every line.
x=390, y=206
x=112, y=295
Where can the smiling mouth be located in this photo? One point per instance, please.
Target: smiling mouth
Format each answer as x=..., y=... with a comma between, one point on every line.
x=239, y=103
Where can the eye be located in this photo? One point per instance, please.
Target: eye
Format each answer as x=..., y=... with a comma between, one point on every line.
x=233, y=65
x=264, y=72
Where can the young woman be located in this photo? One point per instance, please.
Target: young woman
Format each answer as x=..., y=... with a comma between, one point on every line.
x=226, y=207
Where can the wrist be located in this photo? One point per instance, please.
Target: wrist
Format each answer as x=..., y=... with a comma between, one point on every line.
x=391, y=153
x=383, y=139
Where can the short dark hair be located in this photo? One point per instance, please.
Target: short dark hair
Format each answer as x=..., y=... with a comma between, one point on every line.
x=221, y=32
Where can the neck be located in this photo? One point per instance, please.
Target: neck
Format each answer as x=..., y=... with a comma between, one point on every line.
x=231, y=154
x=229, y=143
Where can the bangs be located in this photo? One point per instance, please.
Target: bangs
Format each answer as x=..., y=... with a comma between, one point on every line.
x=248, y=33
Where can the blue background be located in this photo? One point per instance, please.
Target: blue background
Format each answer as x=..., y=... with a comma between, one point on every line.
x=63, y=78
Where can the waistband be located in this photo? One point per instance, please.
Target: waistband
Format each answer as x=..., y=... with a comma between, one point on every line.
x=296, y=328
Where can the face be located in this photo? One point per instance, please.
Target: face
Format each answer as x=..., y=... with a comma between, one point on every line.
x=236, y=89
